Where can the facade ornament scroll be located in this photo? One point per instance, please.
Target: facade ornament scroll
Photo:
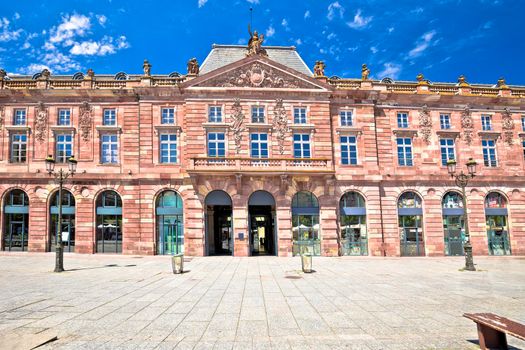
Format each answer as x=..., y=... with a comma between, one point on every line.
x=425, y=124
x=280, y=123
x=467, y=125
x=237, y=126
x=85, y=120
x=507, y=126
x=41, y=121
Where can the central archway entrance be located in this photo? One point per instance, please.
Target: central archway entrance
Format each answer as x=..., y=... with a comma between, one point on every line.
x=261, y=210
x=218, y=219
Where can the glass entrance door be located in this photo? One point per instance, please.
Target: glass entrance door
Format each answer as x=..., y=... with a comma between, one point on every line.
x=261, y=234
x=411, y=236
x=170, y=235
x=67, y=234
x=498, y=235
x=16, y=238
x=223, y=230
x=454, y=234
x=353, y=235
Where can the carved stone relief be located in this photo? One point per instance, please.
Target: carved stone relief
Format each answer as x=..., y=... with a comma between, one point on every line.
x=425, y=124
x=2, y=116
x=280, y=123
x=41, y=121
x=237, y=126
x=507, y=126
x=467, y=125
x=85, y=120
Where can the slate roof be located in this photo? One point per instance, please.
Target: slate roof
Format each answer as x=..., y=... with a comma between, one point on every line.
x=222, y=55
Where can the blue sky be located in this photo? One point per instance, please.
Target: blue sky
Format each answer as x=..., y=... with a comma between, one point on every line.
x=483, y=39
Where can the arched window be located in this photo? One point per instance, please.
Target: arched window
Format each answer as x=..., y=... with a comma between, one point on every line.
x=453, y=223
x=411, y=224
x=305, y=224
x=16, y=221
x=121, y=76
x=67, y=232
x=170, y=234
x=496, y=216
x=109, y=222
x=352, y=222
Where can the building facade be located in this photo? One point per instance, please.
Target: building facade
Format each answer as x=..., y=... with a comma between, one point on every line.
x=253, y=154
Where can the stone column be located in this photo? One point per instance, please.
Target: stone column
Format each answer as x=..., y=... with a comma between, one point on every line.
x=328, y=223
x=241, y=239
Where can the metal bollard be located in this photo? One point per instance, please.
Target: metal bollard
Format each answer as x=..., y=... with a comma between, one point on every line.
x=177, y=263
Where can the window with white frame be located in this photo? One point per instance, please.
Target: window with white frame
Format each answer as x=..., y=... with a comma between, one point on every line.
x=167, y=116
x=447, y=150
x=18, y=148
x=444, y=121
x=299, y=115
x=19, y=117
x=486, y=122
x=259, y=145
x=110, y=117
x=489, y=152
x=216, y=144
x=215, y=114
x=402, y=120
x=168, y=148
x=257, y=114
x=404, y=151
x=301, y=146
x=348, y=150
x=346, y=118
x=64, y=147
x=109, y=149
x=64, y=117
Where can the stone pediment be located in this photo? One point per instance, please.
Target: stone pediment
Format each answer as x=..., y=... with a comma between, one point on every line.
x=256, y=74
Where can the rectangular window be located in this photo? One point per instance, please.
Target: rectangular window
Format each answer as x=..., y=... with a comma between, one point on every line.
x=348, y=150
x=167, y=116
x=257, y=114
x=259, y=145
x=346, y=118
x=301, y=146
x=299, y=115
x=215, y=114
x=18, y=148
x=402, y=120
x=109, y=149
x=64, y=147
x=110, y=117
x=168, y=148
x=216, y=145
x=486, y=122
x=404, y=151
x=523, y=144
x=19, y=117
x=64, y=117
x=489, y=153
x=444, y=121
x=447, y=150
x=523, y=123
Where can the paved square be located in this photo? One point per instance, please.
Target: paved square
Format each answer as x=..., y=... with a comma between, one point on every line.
x=125, y=302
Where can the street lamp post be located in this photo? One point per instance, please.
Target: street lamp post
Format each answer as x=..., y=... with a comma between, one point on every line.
x=60, y=177
x=462, y=180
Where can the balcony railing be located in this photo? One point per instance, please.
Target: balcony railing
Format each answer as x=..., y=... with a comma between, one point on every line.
x=235, y=164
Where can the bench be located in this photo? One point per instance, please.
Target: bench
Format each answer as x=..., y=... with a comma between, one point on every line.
x=493, y=330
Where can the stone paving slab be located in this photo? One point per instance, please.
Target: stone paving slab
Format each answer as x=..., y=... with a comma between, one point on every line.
x=127, y=302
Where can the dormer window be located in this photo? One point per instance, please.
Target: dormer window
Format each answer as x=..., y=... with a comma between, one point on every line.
x=215, y=114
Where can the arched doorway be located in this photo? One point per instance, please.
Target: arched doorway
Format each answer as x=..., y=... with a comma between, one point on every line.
x=67, y=232
x=410, y=213
x=261, y=210
x=305, y=224
x=218, y=219
x=453, y=223
x=109, y=222
x=16, y=221
x=352, y=224
x=496, y=215
x=170, y=234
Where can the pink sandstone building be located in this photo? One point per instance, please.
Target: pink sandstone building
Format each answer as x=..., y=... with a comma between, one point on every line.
x=253, y=153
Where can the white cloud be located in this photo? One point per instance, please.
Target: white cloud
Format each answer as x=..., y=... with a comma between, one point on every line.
x=422, y=44
x=353, y=48
x=307, y=14
x=17, y=15
x=99, y=48
x=284, y=22
x=390, y=30
x=32, y=68
x=298, y=42
x=71, y=26
x=331, y=36
x=102, y=20
x=359, y=21
x=201, y=3
x=373, y=49
x=391, y=70
x=26, y=46
x=270, y=32
x=6, y=34
x=332, y=8
x=253, y=1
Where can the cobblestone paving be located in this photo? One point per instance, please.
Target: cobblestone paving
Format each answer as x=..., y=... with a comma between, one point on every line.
x=124, y=302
